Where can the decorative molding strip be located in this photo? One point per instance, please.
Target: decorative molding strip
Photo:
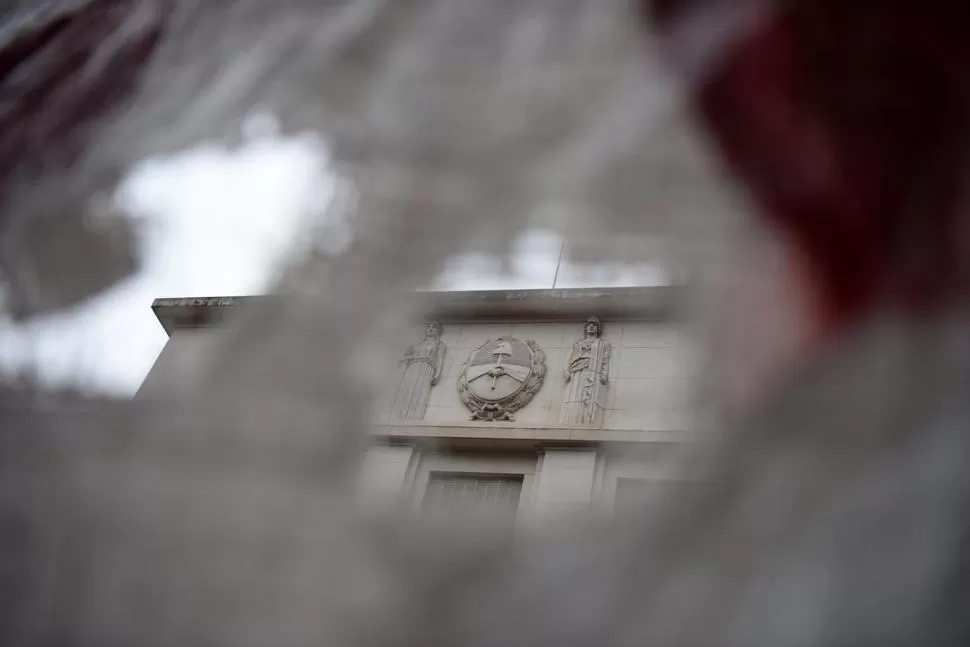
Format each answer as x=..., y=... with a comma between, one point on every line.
x=512, y=437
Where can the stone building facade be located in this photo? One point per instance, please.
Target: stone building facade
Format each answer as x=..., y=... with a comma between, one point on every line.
x=543, y=402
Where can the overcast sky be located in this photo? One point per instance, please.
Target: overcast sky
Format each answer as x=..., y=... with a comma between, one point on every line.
x=216, y=222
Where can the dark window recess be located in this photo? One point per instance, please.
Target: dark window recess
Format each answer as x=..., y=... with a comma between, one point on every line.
x=473, y=493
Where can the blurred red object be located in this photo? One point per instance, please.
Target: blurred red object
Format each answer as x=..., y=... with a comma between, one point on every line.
x=848, y=122
x=62, y=68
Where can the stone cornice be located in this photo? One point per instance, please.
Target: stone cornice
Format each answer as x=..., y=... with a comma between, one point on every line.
x=573, y=304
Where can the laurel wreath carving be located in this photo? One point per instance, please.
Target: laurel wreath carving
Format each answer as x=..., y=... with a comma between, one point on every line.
x=502, y=410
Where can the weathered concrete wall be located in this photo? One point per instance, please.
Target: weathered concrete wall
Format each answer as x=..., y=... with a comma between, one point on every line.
x=558, y=482
x=565, y=484
x=181, y=364
x=650, y=372
x=650, y=375
x=384, y=476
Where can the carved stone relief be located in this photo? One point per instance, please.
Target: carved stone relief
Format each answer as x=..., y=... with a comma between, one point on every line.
x=422, y=366
x=500, y=377
x=587, y=377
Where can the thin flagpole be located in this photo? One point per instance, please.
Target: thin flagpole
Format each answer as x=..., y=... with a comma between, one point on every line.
x=562, y=248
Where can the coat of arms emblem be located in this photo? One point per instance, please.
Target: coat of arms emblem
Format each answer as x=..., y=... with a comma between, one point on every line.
x=500, y=377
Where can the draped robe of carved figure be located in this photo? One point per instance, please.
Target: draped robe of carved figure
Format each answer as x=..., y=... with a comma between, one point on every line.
x=422, y=368
x=587, y=376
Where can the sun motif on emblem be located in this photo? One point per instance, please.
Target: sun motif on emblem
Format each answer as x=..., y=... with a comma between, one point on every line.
x=500, y=377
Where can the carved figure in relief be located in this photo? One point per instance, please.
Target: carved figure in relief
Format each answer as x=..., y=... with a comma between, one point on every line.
x=422, y=368
x=587, y=377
